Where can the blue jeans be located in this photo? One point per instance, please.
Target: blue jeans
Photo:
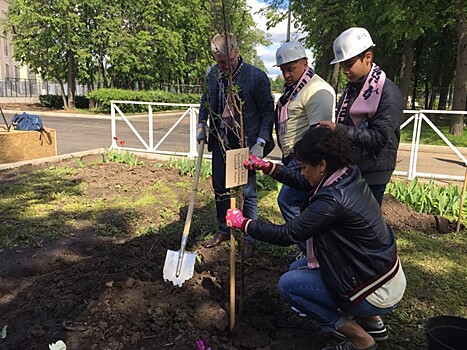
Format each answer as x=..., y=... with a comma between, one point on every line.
x=303, y=288
x=290, y=200
x=222, y=195
x=378, y=192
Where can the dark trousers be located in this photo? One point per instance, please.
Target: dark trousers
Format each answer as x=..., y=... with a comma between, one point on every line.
x=222, y=195
x=378, y=192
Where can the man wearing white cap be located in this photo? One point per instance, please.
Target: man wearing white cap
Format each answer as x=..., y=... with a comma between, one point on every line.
x=368, y=113
x=369, y=110
x=307, y=100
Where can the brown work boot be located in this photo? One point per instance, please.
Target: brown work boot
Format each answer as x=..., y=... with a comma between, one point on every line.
x=248, y=251
x=216, y=240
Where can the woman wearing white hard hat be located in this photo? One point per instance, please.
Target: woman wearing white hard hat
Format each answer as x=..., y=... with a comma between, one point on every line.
x=368, y=114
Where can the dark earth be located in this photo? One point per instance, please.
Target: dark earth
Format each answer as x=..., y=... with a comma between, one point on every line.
x=98, y=292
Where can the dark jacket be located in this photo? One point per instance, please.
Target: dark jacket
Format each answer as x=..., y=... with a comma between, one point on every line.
x=378, y=139
x=254, y=90
x=355, y=248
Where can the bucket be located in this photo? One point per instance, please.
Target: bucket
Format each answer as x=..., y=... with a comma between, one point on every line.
x=446, y=333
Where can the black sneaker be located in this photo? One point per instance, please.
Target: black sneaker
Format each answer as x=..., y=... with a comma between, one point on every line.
x=376, y=329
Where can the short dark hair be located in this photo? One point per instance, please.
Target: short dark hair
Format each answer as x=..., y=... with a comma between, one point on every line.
x=320, y=143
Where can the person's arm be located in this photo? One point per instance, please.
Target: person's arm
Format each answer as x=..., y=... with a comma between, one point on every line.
x=381, y=126
x=320, y=106
x=205, y=106
x=265, y=103
x=318, y=217
x=289, y=177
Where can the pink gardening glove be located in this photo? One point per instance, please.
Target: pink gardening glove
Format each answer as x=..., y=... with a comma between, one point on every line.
x=202, y=344
x=256, y=163
x=234, y=218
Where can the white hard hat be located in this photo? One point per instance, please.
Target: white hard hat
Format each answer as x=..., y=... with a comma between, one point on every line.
x=351, y=43
x=289, y=52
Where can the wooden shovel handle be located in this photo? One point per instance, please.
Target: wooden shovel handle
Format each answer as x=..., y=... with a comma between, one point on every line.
x=194, y=189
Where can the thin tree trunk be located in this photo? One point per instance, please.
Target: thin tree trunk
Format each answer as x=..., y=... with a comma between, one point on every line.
x=63, y=94
x=406, y=68
x=460, y=82
x=443, y=92
x=71, y=79
x=414, y=90
x=335, y=77
x=426, y=95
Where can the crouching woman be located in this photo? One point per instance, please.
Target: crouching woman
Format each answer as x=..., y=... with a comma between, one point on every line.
x=352, y=273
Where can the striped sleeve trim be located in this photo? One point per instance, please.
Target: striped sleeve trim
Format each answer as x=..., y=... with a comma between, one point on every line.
x=370, y=288
x=245, y=226
x=272, y=169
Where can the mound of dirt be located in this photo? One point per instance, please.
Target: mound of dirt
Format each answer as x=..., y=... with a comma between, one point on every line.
x=96, y=292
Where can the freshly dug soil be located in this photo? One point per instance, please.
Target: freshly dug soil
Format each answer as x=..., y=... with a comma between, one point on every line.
x=104, y=293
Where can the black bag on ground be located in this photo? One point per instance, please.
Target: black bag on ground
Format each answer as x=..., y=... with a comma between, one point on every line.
x=27, y=122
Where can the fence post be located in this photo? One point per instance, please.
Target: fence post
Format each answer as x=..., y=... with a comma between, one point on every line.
x=415, y=146
x=193, y=122
x=113, y=125
x=151, y=127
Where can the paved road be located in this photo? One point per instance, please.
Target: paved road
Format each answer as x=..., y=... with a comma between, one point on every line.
x=76, y=133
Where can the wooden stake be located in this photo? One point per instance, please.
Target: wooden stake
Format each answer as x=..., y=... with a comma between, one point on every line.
x=461, y=204
x=232, y=271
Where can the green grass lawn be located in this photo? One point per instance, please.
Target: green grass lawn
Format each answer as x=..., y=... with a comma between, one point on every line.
x=429, y=137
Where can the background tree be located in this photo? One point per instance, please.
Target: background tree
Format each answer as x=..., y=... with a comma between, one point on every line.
x=123, y=43
x=415, y=51
x=45, y=37
x=460, y=85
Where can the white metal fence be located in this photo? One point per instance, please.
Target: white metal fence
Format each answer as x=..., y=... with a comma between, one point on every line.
x=418, y=117
x=151, y=145
x=191, y=111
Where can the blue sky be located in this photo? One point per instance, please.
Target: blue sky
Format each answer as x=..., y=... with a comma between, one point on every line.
x=278, y=36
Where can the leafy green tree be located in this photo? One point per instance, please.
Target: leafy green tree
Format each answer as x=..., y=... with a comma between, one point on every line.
x=414, y=50
x=277, y=84
x=47, y=40
x=123, y=43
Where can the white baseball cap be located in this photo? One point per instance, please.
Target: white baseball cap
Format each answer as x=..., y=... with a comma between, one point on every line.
x=289, y=52
x=351, y=43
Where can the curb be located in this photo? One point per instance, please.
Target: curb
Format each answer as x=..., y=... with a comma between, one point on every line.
x=90, y=116
x=432, y=149
x=60, y=157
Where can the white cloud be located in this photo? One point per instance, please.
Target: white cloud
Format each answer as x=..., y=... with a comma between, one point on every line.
x=278, y=35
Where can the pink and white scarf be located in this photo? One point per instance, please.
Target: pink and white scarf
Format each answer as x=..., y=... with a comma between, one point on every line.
x=367, y=101
x=288, y=96
x=310, y=253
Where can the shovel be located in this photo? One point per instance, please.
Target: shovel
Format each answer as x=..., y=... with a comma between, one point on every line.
x=4, y=119
x=179, y=265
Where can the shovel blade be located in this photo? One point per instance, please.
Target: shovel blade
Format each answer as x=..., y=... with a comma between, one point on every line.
x=186, y=268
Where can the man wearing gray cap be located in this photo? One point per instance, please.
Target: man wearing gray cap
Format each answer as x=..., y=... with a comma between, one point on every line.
x=248, y=102
x=307, y=99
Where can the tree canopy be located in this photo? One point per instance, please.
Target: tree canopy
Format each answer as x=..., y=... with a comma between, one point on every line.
x=125, y=43
x=425, y=57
